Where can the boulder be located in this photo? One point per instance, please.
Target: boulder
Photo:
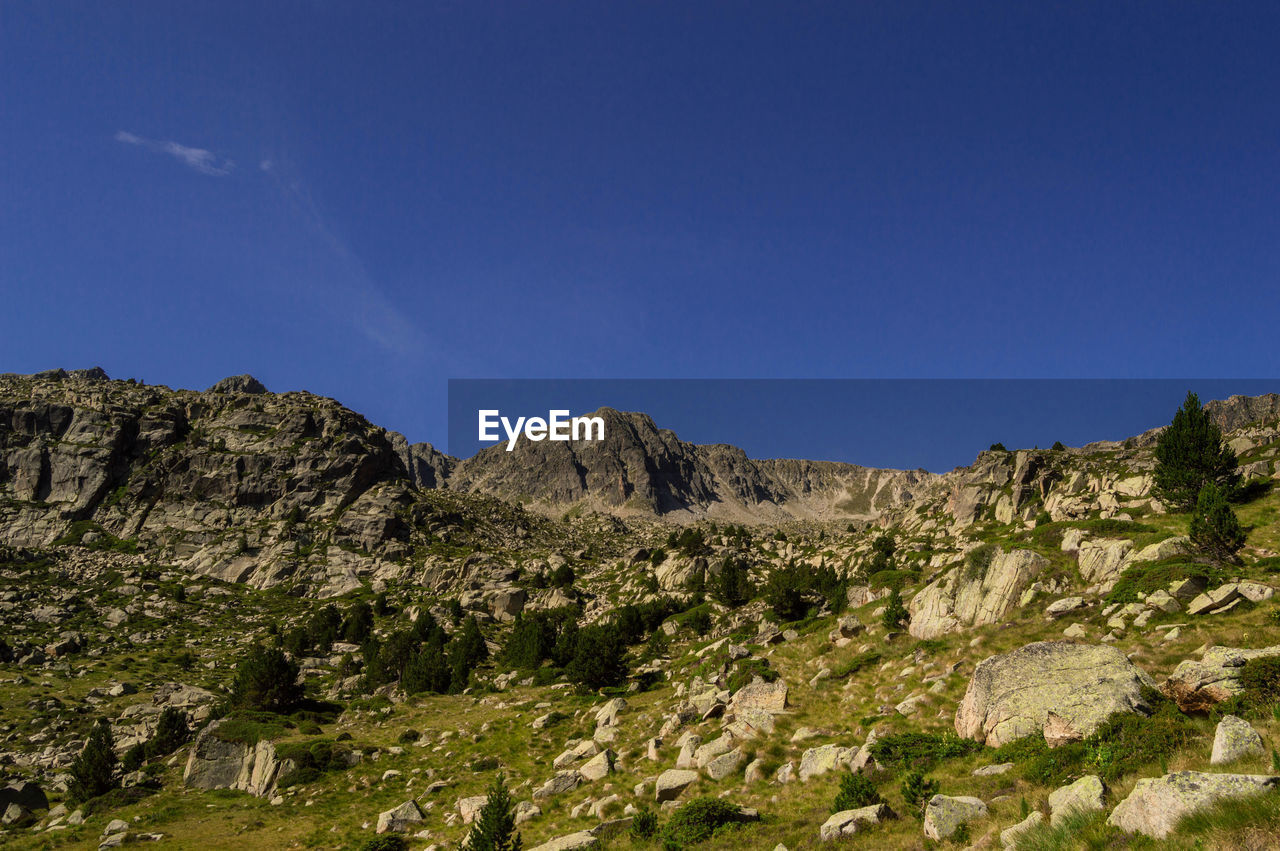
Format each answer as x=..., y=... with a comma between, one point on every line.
x=824, y=758
x=563, y=781
x=1064, y=606
x=399, y=819
x=581, y=839
x=1083, y=796
x=1013, y=694
x=469, y=808
x=1198, y=685
x=672, y=782
x=1009, y=836
x=849, y=822
x=1156, y=804
x=1234, y=740
x=599, y=766
x=25, y=794
x=725, y=764
x=218, y=763
x=943, y=815
x=1103, y=560
x=768, y=697
x=967, y=597
x=1211, y=601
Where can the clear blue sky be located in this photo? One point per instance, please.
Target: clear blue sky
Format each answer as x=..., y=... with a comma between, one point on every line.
x=365, y=200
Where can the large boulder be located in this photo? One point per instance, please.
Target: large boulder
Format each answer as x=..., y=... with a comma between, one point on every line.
x=1103, y=560
x=1156, y=804
x=217, y=761
x=25, y=794
x=944, y=814
x=1198, y=685
x=672, y=782
x=399, y=819
x=1083, y=796
x=1234, y=740
x=1071, y=688
x=760, y=695
x=824, y=758
x=974, y=596
x=849, y=822
x=572, y=842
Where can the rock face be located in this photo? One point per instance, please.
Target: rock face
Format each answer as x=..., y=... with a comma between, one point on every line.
x=215, y=763
x=1073, y=687
x=1234, y=740
x=974, y=595
x=1156, y=804
x=1103, y=560
x=642, y=469
x=1198, y=685
x=943, y=815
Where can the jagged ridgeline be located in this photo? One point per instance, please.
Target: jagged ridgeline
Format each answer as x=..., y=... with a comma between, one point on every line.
x=246, y=485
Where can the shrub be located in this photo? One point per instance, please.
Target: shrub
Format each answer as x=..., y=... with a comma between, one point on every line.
x=1215, y=529
x=385, y=843
x=1261, y=681
x=1145, y=577
x=93, y=772
x=917, y=790
x=856, y=791
x=697, y=821
x=563, y=576
x=644, y=825
x=1122, y=745
x=921, y=751
x=266, y=681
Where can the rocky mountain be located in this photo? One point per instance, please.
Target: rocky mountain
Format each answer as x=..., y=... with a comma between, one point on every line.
x=1068, y=663
x=641, y=469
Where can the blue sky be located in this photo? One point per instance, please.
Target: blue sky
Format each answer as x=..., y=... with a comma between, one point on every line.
x=365, y=200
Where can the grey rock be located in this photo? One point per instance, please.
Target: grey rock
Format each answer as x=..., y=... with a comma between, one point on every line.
x=1156, y=804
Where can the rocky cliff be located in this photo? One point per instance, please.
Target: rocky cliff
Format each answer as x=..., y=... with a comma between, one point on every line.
x=641, y=469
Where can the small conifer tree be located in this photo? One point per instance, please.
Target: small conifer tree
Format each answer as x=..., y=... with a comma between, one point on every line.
x=266, y=681
x=1215, y=529
x=94, y=771
x=495, y=825
x=1190, y=453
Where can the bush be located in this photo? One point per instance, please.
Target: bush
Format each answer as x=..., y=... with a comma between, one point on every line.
x=1215, y=529
x=921, y=751
x=1261, y=681
x=697, y=821
x=266, y=681
x=93, y=772
x=644, y=825
x=385, y=843
x=1122, y=745
x=917, y=790
x=856, y=791
x=1145, y=577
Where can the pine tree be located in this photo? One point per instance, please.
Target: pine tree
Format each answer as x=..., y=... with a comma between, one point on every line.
x=895, y=612
x=266, y=681
x=495, y=826
x=1215, y=530
x=1190, y=453
x=94, y=771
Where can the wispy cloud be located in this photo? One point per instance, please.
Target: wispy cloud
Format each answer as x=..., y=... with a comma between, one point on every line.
x=351, y=290
x=205, y=162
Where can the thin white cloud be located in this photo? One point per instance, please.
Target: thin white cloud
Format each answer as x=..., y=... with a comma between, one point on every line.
x=205, y=162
